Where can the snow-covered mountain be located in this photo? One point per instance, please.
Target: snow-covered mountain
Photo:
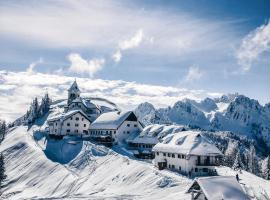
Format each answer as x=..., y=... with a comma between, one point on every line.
x=233, y=112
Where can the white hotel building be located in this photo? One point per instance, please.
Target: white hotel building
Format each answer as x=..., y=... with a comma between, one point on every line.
x=187, y=152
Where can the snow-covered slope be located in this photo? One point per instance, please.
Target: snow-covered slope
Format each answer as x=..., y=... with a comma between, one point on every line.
x=69, y=170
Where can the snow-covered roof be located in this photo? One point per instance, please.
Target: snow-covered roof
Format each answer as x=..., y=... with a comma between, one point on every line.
x=219, y=187
x=64, y=116
x=152, y=134
x=145, y=140
x=74, y=87
x=188, y=143
x=110, y=120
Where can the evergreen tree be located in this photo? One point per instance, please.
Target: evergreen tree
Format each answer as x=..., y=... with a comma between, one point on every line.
x=266, y=168
x=238, y=165
x=230, y=153
x=2, y=170
x=3, y=129
x=252, y=159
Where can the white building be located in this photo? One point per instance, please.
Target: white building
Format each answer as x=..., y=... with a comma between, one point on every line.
x=187, y=152
x=74, y=122
x=216, y=188
x=114, y=127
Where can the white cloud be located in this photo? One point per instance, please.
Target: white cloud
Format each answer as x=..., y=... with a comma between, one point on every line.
x=80, y=65
x=117, y=56
x=18, y=89
x=130, y=43
x=95, y=24
x=31, y=67
x=254, y=44
x=134, y=41
x=194, y=73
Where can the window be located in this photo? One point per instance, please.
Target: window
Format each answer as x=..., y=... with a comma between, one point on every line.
x=76, y=125
x=173, y=155
x=179, y=156
x=164, y=154
x=169, y=166
x=196, y=169
x=205, y=170
x=173, y=167
x=157, y=153
x=110, y=132
x=82, y=119
x=128, y=125
x=179, y=168
x=68, y=124
x=70, y=118
x=114, y=132
x=106, y=132
x=135, y=125
x=183, y=156
x=169, y=155
x=68, y=130
x=127, y=132
x=84, y=125
x=55, y=124
x=55, y=130
x=76, y=131
x=77, y=119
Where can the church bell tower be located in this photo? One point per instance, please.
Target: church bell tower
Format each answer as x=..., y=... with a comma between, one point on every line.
x=73, y=92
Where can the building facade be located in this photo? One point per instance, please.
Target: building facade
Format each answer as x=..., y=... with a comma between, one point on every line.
x=71, y=123
x=187, y=152
x=114, y=127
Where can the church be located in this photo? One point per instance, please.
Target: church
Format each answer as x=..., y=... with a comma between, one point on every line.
x=84, y=118
x=78, y=114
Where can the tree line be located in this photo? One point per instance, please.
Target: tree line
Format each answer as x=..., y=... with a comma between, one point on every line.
x=241, y=153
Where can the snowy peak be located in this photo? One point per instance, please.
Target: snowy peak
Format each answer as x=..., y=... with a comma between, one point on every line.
x=226, y=98
x=145, y=112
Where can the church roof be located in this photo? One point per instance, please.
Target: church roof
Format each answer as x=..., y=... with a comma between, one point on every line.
x=188, y=143
x=74, y=87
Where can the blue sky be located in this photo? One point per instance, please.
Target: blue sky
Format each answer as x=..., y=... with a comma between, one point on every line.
x=215, y=46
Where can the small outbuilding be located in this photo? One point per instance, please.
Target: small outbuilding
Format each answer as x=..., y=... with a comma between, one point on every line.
x=217, y=188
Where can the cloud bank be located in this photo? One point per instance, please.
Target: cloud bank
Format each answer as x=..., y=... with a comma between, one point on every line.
x=18, y=88
x=254, y=44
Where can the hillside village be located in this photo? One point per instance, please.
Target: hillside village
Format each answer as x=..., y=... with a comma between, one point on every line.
x=177, y=148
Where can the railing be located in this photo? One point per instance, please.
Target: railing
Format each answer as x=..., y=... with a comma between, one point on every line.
x=207, y=163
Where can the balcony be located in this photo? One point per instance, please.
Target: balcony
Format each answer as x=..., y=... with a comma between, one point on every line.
x=207, y=163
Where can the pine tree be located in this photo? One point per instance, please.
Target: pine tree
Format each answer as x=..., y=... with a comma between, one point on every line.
x=230, y=153
x=238, y=165
x=2, y=170
x=252, y=159
x=266, y=168
x=3, y=129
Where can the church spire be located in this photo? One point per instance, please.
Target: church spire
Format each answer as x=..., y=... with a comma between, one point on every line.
x=73, y=92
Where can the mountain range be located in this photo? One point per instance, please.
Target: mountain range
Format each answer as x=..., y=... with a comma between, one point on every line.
x=233, y=112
